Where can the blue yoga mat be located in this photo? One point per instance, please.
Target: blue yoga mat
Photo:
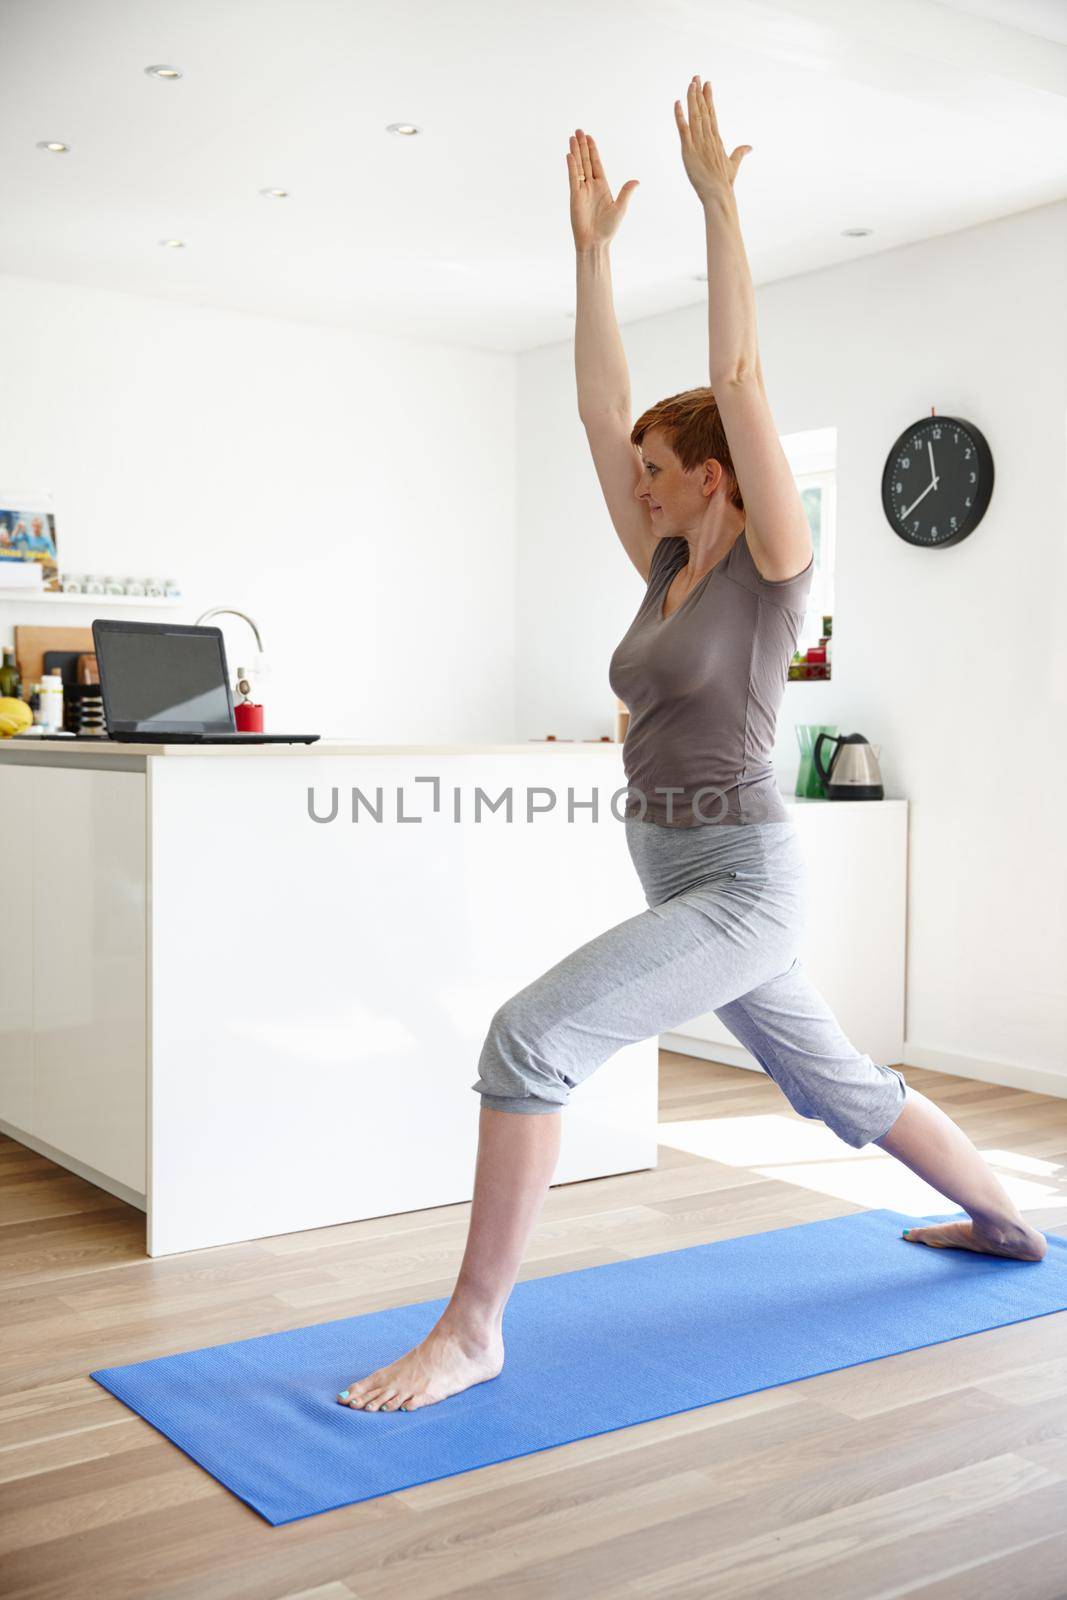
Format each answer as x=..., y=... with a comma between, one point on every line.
x=586, y=1352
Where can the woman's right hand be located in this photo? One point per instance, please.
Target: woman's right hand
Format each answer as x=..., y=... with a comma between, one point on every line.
x=594, y=214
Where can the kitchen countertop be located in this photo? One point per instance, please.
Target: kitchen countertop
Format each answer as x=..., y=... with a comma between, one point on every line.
x=58, y=752
x=321, y=747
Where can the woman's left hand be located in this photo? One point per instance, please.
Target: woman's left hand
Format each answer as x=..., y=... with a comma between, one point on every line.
x=711, y=171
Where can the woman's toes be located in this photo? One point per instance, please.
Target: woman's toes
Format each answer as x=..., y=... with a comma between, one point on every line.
x=367, y=1389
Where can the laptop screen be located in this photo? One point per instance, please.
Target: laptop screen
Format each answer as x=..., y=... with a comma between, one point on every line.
x=174, y=680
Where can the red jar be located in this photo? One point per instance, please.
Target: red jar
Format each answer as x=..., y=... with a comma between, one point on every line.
x=248, y=716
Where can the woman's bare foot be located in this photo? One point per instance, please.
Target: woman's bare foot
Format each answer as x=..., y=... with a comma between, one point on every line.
x=450, y=1358
x=1013, y=1239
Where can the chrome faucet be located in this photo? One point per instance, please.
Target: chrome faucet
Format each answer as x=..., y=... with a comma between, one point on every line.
x=215, y=611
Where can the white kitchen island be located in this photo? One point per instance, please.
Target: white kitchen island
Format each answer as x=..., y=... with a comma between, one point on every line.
x=249, y=1022
x=246, y=989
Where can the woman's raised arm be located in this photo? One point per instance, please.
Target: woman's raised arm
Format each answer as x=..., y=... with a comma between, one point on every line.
x=601, y=372
x=776, y=524
x=731, y=298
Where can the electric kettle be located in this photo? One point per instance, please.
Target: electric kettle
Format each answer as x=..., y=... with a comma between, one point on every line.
x=853, y=772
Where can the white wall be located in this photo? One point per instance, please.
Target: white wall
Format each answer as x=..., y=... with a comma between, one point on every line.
x=954, y=661
x=402, y=518
x=354, y=495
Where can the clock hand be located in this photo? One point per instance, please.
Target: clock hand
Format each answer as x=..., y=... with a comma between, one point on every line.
x=934, y=481
x=925, y=492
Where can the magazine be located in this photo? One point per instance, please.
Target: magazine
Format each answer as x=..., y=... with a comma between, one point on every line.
x=29, y=556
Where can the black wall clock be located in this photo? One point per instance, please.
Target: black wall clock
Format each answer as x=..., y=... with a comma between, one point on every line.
x=937, y=481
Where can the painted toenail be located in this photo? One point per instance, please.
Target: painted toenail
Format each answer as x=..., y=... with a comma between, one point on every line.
x=904, y=1235
x=343, y=1395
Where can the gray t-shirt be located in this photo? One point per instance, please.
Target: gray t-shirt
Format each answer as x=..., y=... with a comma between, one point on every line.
x=703, y=688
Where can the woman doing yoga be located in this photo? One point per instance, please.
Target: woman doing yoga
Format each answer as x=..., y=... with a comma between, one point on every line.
x=706, y=508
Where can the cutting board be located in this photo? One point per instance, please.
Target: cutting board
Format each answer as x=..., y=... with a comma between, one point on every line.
x=31, y=644
x=65, y=662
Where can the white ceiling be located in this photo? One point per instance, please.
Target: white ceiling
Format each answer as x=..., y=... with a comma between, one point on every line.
x=910, y=117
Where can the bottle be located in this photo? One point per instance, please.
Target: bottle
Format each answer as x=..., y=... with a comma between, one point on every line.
x=10, y=682
x=50, y=711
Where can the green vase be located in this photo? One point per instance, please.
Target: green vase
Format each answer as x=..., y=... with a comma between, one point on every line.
x=809, y=784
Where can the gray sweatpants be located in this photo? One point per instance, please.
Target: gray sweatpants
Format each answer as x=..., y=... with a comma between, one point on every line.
x=725, y=919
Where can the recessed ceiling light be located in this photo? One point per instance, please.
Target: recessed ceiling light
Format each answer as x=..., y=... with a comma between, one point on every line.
x=855, y=233
x=173, y=244
x=275, y=194
x=162, y=72
x=405, y=128
x=53, y=144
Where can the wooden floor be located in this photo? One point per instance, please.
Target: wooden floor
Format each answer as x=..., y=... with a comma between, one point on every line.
x=941, y=1472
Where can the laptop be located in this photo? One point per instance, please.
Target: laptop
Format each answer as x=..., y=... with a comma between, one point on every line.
x=167, y=683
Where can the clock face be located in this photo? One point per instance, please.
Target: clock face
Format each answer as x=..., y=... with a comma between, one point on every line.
x=937, y=481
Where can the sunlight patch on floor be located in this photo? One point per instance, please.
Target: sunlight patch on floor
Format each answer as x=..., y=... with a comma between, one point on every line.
x=881, y=1181
x=1037, y=1166
x=810, y=1156
x=746, y=1141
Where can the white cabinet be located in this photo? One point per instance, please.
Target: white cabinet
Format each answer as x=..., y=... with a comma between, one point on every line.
x=89, y=969
x=72, y=979
x=855, y=942
x=16, y=965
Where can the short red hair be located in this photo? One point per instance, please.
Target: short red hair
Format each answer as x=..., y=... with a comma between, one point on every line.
x=693, y=429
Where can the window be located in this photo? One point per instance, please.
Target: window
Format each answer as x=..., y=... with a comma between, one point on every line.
x=812, y=456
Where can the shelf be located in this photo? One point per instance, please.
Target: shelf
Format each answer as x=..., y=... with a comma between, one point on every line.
x=101, y=601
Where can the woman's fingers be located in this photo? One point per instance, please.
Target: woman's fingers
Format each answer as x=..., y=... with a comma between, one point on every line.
x=576, y=157
x=701, y=106
x=693, y=104
x=587, y=164
x=596, y=164
x=698, y=108
x=709, y=105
